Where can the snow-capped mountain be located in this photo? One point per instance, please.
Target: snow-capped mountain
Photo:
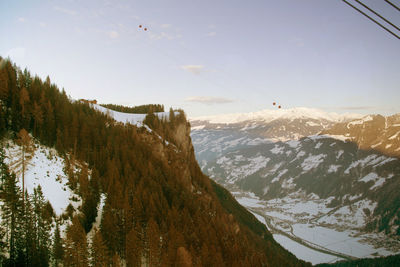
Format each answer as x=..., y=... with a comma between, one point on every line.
x=342, y=175
x=269, y=115
x=213, y=136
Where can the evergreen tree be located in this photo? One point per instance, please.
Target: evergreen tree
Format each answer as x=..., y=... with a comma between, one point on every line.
x=11, y=214
x=116, y=262
x=153, y=239
x=133, y=248
x=43, y=219
x=25, y=141
x=37, y=116
x=98, y=252
x=58, y=250
x=4, y=91
x=76, y=251
x=23, y=98
x=29, y=225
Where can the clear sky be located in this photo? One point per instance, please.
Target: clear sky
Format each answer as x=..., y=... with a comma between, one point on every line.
x=209, y=56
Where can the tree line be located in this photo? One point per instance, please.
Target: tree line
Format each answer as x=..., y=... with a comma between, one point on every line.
x=142, y=109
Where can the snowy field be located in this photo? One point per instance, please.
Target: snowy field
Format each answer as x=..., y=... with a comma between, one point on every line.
x=306, y=217
x=343, y=242
x=304, y=253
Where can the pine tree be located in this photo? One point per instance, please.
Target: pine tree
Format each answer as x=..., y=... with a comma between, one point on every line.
x=37, y=116
x=98, y=252
x=11, y=213
x=30, y=233
x=43, y=220
x=153, y=239
x=25, y=142
x=132, y=248
x=4, y=91
x=76, y=252
x=184, y=258
x=23, y=98
x=116, y=261
x=58, y=250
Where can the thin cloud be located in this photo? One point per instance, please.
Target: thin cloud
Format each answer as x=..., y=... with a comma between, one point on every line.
x=65, y=11
x=299, y=42
x=163, y=35
x=211, y=34
x=358, y=108
x=195, y=69
x=208, y=100
x=113, y=34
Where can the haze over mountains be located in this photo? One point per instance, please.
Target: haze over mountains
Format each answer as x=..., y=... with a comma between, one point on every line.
x=307, y=168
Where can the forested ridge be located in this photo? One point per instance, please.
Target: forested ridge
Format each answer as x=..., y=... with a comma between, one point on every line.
x=160, y=210
x=142, y=109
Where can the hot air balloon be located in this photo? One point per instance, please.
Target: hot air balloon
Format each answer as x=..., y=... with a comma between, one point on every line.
x=279, y=106
x=274, y=103
x=140, y=26
x=145, y=29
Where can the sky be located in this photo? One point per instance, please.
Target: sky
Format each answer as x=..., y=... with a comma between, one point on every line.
x=209, y=56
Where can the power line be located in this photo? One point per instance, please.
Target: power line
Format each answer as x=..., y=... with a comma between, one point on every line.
x=393, y=5
x=376, y=13
x=379, y=24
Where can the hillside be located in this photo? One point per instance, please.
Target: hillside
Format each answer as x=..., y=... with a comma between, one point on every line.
x=159, y=208
x=373, y=132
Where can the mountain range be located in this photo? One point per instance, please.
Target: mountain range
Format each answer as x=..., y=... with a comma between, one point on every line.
x=337, y=171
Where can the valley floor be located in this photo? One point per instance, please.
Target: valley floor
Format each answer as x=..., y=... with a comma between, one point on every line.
x=315, y=233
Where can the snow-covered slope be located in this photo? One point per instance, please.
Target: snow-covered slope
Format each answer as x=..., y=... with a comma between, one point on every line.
x=213, y=136
x=269, y=115
x=136, y=119
x=45, y=168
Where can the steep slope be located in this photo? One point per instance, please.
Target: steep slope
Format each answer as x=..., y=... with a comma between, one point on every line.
x=159, y=208
x=372, y=132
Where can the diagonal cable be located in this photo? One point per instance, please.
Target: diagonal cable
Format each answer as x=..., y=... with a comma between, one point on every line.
x=376, y=13
x=379, y=24
x=393, y=5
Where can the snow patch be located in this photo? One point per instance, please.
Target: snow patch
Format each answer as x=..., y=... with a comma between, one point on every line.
x=277, y=149
x=312, y=161
x=333, y=168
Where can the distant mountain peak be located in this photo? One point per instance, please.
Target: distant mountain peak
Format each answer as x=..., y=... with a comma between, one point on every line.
x=269, y=115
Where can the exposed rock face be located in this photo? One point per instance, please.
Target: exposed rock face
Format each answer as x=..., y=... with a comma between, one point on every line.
x=372, y=132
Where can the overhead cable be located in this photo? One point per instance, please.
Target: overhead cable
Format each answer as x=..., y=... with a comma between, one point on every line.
x=369, y=17
x=393, y=5
x=376, y=13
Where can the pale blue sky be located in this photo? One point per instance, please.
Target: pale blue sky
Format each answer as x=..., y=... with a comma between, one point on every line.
x=209, y=56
